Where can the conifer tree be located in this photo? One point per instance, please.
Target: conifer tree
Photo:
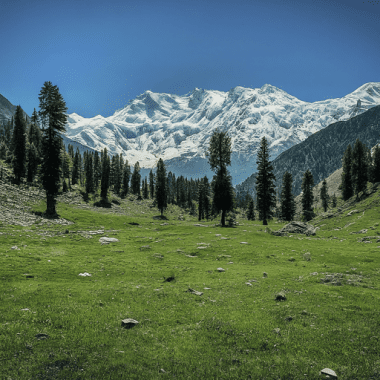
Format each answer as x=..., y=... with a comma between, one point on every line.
x=359, y=167
x=251, y=212
x=288, y=207
x=161, y=190
x=266, y=199
x=32, y=162
x=116, y=174
x=3, y=151
x=201, y=196
x=97, y=170
x=53, y=113
x=151, y=184
x=376, y=165
x=334, y=201
x=126, y=176
x=75, y=171
x=307, y=196
x=324, y=195
x=219, y=157
x=89, y=174
x=105, y=180
x=145, y=191
x=19, y=145
x=347, y=183
x=136, y=179
x=35, y=137
x=71, y=151
x=66, y=165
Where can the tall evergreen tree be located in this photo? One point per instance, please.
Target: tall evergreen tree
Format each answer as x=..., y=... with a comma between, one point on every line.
x=266, y=199
x=71, y=151
x=126, y=176
x=136, y=179
x=324, y=195
x=35, y=137
x=219, y=157
x=376, y=165
x=75, y=171
x=19, y=146
x=347, y=183
x=334, y=201
x=161, y=190
x=145, y=189
x=32, y=162
x=151, y=184
x=288, y=207
x=359, y=167
x=97, y=170
x=66, y=165
x=307, y=196
x=89, y=174
x=201, y=196
x=105, y=180
x=53, y=113
x=251, y=210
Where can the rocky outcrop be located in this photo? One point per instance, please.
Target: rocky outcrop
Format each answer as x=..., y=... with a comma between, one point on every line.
x=296, y=228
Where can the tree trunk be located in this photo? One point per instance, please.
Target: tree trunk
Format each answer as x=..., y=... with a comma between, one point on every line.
x=223, y=217
x=50, y=204
x=265, y=223
x=162, y=211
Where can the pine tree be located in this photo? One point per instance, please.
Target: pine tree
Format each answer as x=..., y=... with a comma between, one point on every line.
x=53, y=113
x=288, y=207
x=3, y=151
x=324, y=195
x=66, y=165
x=219, y=157
x=376, y=165
x=89, y=174
x=75, y=171
x=347, y=183
x=32, y=163
x=116, y=174
x=105, y=180
x=266, y=199
x=251, y=212
x=19, y=145
x=97, y=170
x=126, y=176
x=201, y=196
x=151, y=184
x=333, y=201
x=307, y=196
x=161, y=190
x=145, y=191
x=359, y=167
x=136, y=179
x=71, y=151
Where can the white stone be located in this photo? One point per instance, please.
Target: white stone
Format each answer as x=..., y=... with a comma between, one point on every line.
x=107, y=240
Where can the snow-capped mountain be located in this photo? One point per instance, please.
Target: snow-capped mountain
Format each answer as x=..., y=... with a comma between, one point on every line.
x=178, y=128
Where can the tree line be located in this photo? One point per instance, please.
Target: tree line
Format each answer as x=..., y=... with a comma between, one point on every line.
x=36, y=153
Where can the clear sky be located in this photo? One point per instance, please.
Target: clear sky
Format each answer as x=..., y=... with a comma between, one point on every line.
x=102, y=53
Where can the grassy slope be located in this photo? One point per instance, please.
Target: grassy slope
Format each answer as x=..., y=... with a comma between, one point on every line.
x=226, y=333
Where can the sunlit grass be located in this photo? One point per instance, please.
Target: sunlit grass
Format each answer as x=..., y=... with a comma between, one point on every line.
x=234, y=330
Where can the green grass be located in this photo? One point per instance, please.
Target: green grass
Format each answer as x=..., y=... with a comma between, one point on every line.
x=229, y=332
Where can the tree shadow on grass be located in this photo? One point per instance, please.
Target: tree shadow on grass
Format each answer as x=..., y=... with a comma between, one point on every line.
x=103, y=203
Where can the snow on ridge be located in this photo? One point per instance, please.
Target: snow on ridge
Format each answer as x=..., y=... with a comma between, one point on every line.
x=173, y=126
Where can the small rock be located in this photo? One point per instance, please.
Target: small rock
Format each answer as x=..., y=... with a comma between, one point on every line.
x=42, y=336
x=329, y=372
x=265, y=274
x=243, y=242
x=248, y=283
x=128, y=323
x=280, y=296
x=289, y=318
x=277, y=331
x=220, y=269
x=84, y=274
x=162, y=370
x=192, y=291
x=107, y=240
x=15, y=248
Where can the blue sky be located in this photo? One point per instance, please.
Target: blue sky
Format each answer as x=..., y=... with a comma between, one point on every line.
x=101, y=54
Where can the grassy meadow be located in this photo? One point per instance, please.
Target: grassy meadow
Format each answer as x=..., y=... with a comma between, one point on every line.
x=235, y=330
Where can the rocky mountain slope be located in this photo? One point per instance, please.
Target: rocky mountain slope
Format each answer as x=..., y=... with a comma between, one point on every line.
x=322, y=152
x=7, y=110
x=178, y=128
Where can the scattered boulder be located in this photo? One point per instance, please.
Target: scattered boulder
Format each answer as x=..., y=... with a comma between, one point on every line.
x=145, y=247
x=265, y=274
x=84, y=274
x=41, y=336
x=107, y=240
x=296, y=228
x=192, y=291
x=280, y=296
x=128, y=323
x=220, y=269
x=352, y=212
x=15, y=248
x=330, y=374
x=200, y=225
